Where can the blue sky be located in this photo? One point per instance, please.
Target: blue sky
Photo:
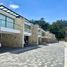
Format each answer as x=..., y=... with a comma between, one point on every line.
x=51, y=10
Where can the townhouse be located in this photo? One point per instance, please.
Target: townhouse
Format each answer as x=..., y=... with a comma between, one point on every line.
x=49, y=37
x=37, y=34
x=15, y=30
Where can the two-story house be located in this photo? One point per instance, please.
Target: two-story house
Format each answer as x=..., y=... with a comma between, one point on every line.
x=15, y=30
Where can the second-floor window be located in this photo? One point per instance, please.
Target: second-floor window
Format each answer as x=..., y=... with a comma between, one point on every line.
x=6, y=21
x=39, y=32
x=43, y=34
x=2, y=20
x=27, y=28
x=10, y=22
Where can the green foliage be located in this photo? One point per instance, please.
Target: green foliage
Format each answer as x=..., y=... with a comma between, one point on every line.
x=58, y=28
x=43, y=24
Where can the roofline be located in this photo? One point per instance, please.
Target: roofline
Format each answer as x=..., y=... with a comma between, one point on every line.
x=14, y=12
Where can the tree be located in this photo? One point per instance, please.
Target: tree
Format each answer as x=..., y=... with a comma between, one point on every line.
x=42, y=23
x=58, y=28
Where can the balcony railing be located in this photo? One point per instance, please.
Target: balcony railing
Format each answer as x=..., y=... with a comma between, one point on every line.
x=9, y=24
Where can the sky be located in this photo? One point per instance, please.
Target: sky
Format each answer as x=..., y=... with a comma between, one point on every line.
x=51, y=10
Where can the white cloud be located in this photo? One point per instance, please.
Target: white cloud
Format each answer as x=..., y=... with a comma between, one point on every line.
x=1, y=4
x=14, y=6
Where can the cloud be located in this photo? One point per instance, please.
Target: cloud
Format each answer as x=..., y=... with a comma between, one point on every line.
x=1, y=4
x=14, y=6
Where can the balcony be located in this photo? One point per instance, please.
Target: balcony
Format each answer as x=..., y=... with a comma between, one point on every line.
x=9, y=27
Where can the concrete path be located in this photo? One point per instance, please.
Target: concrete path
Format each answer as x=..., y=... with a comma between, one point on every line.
x=65, y=65
x=65, y=57
x=45, y=56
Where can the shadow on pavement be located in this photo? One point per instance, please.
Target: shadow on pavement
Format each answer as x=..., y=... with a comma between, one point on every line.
x=18, y=50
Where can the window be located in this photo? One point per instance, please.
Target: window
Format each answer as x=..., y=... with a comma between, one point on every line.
x=2, y=17
x=6, y=21
x=39, y=32
x=43, y=34
x=2, y=20
x=10, y=19
x=2, y=23
x=27, y=28
x=10, y=22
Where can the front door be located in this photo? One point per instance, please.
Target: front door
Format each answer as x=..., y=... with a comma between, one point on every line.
x=26, y=41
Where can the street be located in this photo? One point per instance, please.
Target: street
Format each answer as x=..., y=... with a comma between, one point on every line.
x=45, y=56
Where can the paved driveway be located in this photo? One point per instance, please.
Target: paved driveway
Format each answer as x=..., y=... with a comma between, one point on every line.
x=45, y=56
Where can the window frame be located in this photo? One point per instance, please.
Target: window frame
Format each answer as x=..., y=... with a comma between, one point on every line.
x=8, y=21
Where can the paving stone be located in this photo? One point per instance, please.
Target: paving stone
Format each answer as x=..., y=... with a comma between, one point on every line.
x=45, y=56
